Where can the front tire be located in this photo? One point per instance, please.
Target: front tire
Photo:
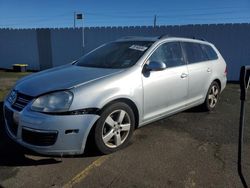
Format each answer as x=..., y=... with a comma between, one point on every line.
x=114, y=128
x=212, y=97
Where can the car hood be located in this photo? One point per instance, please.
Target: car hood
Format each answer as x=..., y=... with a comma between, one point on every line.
x=61, y=78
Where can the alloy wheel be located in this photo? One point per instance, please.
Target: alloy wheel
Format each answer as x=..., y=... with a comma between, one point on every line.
x=213, y=96
x=116, y=128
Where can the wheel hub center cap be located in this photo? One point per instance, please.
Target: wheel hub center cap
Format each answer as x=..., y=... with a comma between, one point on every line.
x=117, y=127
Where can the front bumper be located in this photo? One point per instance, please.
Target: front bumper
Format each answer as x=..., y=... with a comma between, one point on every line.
x=48, y=134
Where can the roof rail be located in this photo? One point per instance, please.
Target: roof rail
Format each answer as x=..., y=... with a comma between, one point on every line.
x=138, y=37
x=164, y=36
x=128, y=37
x=199, y=38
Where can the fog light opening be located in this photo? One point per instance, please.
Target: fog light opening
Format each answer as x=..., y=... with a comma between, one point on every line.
x=72, y=131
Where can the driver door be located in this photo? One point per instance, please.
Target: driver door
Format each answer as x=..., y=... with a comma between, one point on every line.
x=165, y=91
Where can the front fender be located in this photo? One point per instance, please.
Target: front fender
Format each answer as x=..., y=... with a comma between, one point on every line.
x=102, y=92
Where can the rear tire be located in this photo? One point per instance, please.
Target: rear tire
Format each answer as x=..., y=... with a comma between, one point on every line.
x=114, y=128
x=212, y=97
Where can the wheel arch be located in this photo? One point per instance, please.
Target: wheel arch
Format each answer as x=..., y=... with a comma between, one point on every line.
x=218, y=81
x=130, y=103
x=90, y=136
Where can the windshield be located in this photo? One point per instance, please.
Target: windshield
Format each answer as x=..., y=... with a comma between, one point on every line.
x=115, y=55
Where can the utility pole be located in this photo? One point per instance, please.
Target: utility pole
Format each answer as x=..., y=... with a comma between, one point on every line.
x=83, y=38
x=155, y=20
x=74, y=20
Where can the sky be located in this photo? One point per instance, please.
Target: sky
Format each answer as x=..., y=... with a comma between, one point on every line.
x=60, y=13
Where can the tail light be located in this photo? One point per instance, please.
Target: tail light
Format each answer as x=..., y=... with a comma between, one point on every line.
x=225, y=72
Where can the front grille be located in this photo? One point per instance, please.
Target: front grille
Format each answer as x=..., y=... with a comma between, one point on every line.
x=39, y=138
x=21, y=101
x=12, y=125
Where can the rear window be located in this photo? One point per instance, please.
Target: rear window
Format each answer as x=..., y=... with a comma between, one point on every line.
x=194, y=52
x=211, y=54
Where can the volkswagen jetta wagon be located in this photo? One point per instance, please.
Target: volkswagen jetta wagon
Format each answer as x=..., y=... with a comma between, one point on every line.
x=111, y=91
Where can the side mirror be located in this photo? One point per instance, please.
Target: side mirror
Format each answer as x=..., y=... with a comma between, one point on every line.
x=155, y=66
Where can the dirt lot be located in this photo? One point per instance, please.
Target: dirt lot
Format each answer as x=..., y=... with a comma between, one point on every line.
x=190, y=149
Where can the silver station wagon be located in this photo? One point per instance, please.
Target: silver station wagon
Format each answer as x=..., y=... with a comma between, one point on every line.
x=111, y=91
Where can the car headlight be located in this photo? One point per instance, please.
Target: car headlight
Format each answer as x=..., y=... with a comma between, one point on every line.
x=53, y=102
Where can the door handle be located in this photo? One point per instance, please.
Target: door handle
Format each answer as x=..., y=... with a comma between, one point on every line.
x=209, y=70
x=184, y=75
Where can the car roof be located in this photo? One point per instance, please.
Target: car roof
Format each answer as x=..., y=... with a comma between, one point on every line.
x=138, y=38
x=161, y=38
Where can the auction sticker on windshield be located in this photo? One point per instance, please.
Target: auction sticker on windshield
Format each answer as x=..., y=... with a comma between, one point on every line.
x=138, y=47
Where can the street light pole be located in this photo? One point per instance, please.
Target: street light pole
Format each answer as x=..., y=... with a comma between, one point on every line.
x=80, y=16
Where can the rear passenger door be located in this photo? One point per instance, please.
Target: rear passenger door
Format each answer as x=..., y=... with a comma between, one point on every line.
x=199, y=71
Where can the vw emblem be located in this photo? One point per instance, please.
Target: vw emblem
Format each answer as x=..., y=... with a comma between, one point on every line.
x=12, y=97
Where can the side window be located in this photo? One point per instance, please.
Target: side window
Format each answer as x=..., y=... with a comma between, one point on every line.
x=211, y=54
x=194, y=52
x=169, y=53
